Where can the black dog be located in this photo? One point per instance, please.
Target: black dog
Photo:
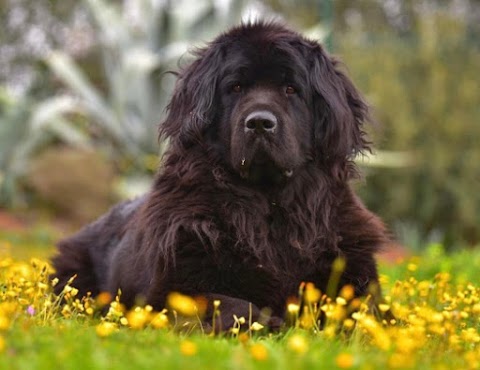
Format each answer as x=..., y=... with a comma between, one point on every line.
x=253, y=197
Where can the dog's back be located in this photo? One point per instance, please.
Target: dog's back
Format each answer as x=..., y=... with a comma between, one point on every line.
x=86, y=254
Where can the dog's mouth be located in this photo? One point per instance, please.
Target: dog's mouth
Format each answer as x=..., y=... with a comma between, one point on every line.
x=265, y=173
x=261, y=168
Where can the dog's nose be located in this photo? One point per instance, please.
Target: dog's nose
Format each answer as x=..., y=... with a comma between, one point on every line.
x=260, y=122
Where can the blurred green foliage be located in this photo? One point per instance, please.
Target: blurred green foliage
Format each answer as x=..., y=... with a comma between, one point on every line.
x=425, y=94
x=462, y=265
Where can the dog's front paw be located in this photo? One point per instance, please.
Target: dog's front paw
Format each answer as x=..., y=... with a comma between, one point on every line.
x=275, y=323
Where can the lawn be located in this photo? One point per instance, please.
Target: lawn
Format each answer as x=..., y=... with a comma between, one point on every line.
x=434, y=296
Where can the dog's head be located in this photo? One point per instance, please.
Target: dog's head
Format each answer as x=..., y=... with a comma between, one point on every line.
x=269, y=101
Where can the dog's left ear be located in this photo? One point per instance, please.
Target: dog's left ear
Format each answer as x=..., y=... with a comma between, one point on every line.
x=192, y=107
x=340, y=111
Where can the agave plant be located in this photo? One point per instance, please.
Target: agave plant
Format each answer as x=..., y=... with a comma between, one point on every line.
x=140, y=41
x=26, y=126
x=137, y=47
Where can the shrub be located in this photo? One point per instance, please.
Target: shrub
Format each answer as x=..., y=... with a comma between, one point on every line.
x=426, y=97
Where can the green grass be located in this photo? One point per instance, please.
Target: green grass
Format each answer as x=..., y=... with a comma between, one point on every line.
x=35, y=242
x=78, y=347
x=463, y=265
x=33, y=342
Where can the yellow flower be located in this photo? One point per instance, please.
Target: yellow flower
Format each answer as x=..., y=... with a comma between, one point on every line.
x=344, y=360
x=256, y=326
x=241, y=320
x=160, y=321
x=311, y=293
x=473, y=359
x=406, y=344
x=183, y=304
x=116, y=310
x=348, y=323
x=293, y=308
x=400, y=361
x=42, y=286
x=383, y=307
x=337, y=312
x=307, y=319
x=6, y=262
x=383, y=279
x=234, y=331
x=470, y=335
x=412, y=267
x=103, y=299
x=243, y=338
x=104, y=329
x=330, y=331
x=188, y=348
x=436, y=317
x=4, y=322
x=66, y=311
x=259, y=352
x=138, y=318
x=297, y=343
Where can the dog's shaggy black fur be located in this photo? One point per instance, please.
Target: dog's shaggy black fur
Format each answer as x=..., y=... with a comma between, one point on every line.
x=253, y=197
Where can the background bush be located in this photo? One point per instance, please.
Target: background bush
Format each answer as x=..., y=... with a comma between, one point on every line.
x=426, y=96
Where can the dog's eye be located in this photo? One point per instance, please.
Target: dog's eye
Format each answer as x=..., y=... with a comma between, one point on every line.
x=237, y=88
x=290, y=90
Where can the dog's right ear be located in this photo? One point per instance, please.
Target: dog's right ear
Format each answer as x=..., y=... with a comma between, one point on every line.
x=192, y=107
